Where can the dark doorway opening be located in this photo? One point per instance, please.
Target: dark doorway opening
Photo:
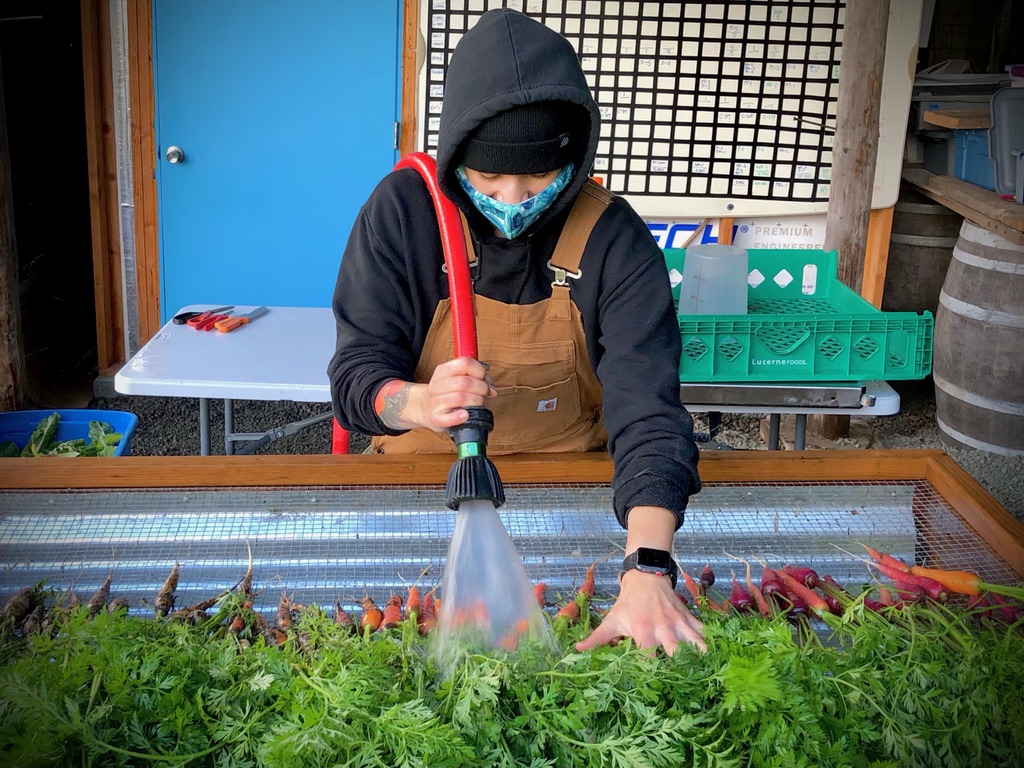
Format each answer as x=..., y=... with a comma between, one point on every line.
x=41, y=56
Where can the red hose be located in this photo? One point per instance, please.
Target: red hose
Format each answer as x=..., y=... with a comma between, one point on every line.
x=460, y=288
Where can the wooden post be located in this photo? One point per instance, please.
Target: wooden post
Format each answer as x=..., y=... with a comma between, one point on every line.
x=854, y=156
x=143, y=111
x=410, y=76
x=12, y=353
x=98, y=84
x=855, y=151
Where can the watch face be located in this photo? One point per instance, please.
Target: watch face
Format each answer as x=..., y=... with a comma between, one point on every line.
x=654, y=559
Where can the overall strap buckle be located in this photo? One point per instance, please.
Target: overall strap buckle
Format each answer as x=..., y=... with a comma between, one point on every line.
x=562, y=274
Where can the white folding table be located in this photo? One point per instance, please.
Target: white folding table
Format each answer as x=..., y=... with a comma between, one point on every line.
x=280, y=356
x=284, y=355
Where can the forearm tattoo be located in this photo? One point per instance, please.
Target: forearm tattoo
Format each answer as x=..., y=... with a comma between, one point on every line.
x=390, y=404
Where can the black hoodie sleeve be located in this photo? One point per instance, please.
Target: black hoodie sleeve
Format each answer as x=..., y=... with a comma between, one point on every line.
x=638, y=347
x=381, y=322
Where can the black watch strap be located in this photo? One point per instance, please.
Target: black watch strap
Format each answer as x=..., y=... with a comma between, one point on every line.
x=657, y=561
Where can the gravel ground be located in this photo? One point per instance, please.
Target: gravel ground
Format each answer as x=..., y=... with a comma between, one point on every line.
x=170, y=427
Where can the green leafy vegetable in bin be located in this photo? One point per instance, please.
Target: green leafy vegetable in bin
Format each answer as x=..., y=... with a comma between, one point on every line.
x=103, y=441
x=41, y=440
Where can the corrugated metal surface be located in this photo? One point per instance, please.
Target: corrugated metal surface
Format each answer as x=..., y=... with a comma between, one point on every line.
x=320, y=545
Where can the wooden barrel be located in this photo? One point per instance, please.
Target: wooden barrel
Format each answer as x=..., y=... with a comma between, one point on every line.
x=920, y=247
x=978, y=361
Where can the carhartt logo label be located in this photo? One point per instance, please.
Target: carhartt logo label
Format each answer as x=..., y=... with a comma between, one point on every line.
x=545, y=406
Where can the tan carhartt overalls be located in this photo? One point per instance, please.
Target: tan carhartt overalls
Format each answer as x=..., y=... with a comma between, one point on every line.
x=549, y=398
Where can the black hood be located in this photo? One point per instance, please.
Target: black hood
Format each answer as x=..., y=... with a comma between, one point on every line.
x=505, y=60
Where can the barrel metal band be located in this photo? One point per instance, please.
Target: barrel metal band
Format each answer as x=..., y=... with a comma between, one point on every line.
x=992, y=265
x=980, y=313
x=972, y=398
x=979, y=444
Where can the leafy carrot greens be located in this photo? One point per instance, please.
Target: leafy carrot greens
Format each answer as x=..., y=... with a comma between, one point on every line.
x=936, y=688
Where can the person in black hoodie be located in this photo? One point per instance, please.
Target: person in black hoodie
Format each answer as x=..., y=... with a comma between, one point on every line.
x=575, y=323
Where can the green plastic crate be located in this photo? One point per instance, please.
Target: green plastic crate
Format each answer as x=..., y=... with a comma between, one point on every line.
x=802, y=325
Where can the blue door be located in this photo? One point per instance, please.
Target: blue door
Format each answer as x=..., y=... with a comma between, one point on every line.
x=285, y=115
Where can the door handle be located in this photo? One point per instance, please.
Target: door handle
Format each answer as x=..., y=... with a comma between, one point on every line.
x=175, y=155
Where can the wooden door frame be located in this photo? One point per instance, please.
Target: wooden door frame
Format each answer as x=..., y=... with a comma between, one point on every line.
x=104, y=208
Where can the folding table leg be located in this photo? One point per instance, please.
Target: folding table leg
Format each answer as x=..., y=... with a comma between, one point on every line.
x=800, y=432
x=204, y=427
x=774, y=419
x=229, y=427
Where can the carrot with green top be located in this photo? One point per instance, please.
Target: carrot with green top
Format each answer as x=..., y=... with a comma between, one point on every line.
x=372, y=615
x=568, y=613
x=99, y=600
x=755, y=592
x=937, y=591
x=342, y=618
x=164, y=601
x=427, y=618
x=815, y=602
x=691, y=587
x=540, y=591
x=413, y=603
x=883, y=558
x=965, y=582
x=392, y=615
x=587, y=587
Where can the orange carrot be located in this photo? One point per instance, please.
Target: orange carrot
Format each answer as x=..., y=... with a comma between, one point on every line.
x=587, y=588
x=413, y=603
x=568, y=613
x=540, y=591
x=372, y=615
x=237, y=623
x=475, y=614
x=392, y=615
x=965, y=582
x=885, y=596
x=691, y=587
x=886, y=559
x=426, y=620
x=934, y=589
x=814, y=601
x=755, y=592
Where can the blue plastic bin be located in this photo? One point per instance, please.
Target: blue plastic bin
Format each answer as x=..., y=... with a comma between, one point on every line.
x=74, y=424
x=973, y=162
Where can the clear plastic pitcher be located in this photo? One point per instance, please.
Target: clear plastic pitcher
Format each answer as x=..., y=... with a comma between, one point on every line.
x=714, y=280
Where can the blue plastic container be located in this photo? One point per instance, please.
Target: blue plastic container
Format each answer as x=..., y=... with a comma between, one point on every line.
x=973, y=162
x=74, y=424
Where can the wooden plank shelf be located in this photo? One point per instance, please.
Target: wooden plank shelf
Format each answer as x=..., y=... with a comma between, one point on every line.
x=959, y=119
x=980, y=206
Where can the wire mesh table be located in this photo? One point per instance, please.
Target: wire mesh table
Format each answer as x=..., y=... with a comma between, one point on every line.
x=369, y=535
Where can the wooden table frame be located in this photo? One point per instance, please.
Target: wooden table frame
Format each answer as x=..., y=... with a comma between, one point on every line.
x=1001, y=531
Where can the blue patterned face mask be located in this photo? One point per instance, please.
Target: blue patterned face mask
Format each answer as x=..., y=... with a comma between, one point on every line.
x=512, y=219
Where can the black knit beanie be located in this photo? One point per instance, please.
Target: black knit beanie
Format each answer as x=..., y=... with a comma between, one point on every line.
x=531, y=138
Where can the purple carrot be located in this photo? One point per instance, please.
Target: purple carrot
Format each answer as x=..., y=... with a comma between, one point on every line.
x=740, y=599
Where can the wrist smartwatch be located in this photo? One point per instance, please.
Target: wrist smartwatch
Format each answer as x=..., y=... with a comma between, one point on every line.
x=656, y=561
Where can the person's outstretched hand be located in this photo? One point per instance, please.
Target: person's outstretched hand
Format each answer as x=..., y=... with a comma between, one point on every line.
x=648, y=611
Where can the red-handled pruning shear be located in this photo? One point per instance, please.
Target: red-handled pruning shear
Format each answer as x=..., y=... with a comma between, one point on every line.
x=206, y=320
x=184, y=317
